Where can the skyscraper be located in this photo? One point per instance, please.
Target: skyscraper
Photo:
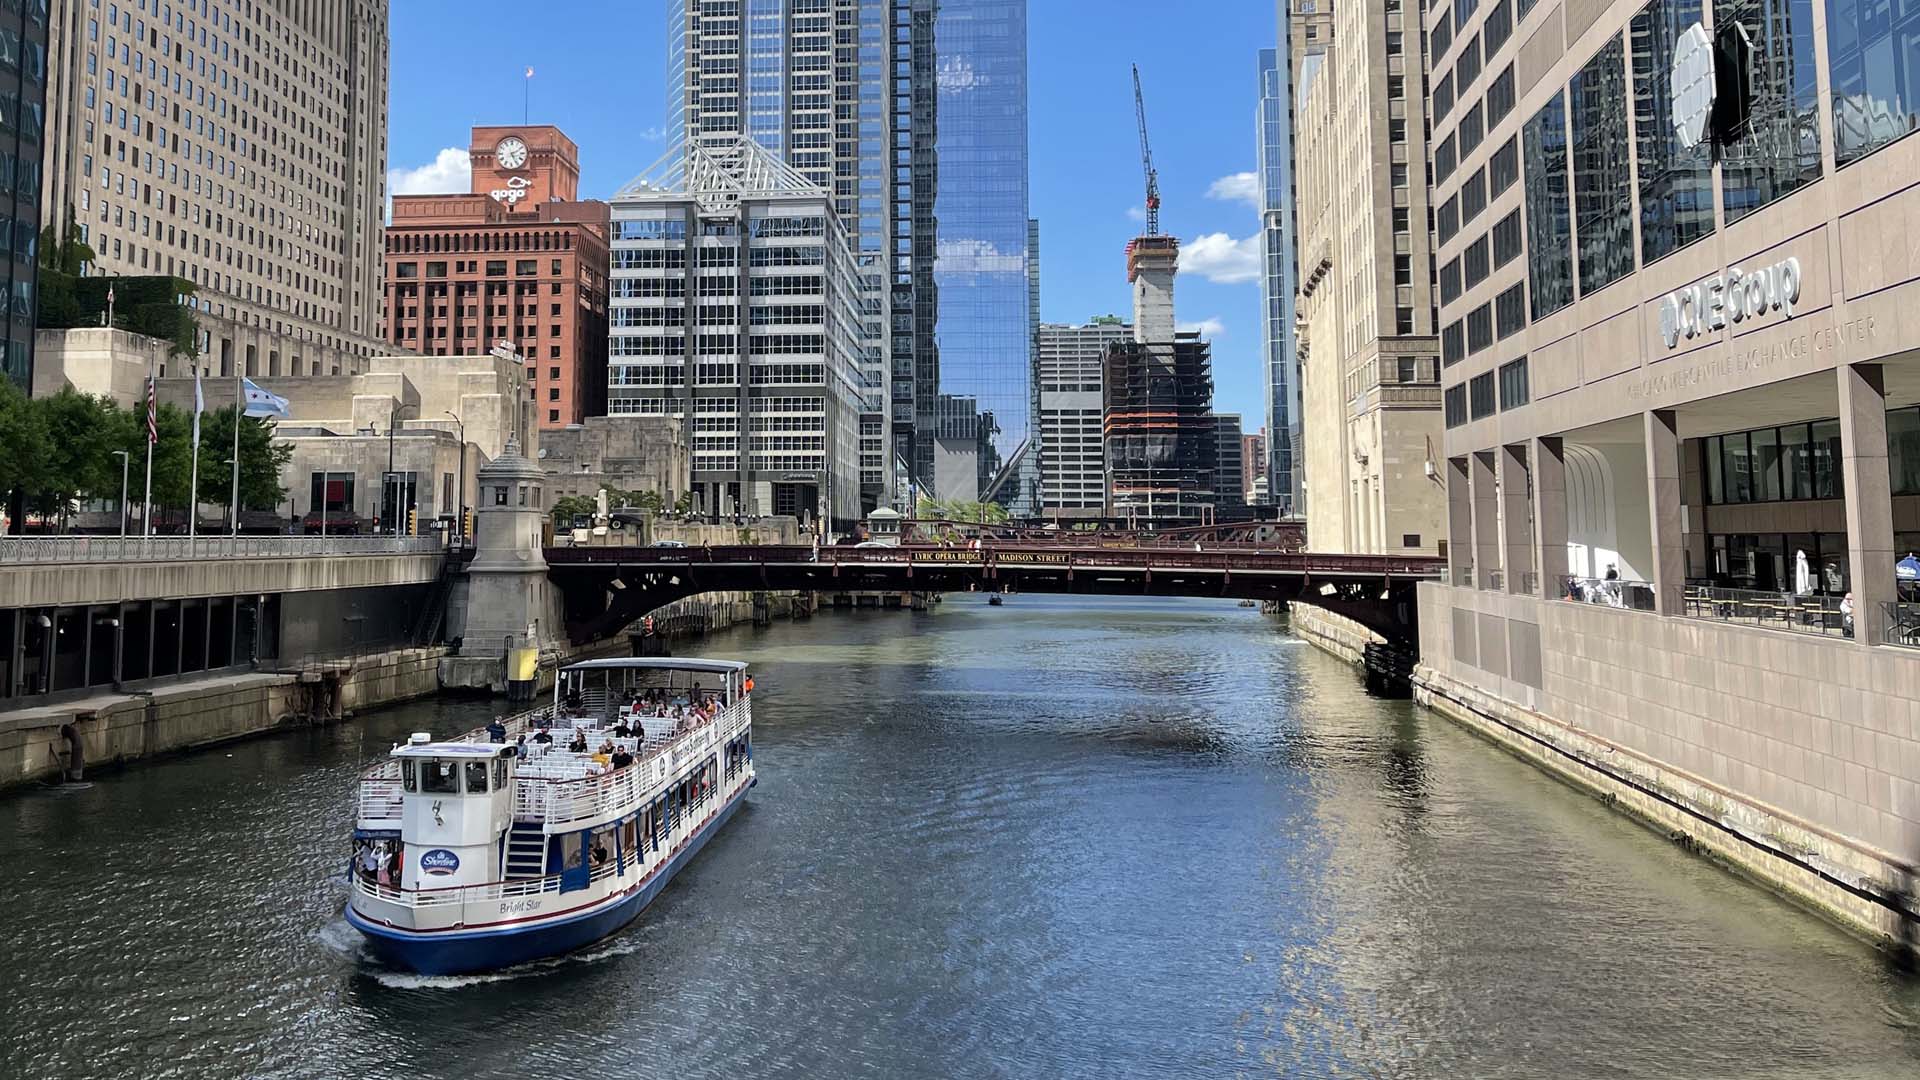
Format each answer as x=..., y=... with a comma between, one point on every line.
x=1278, y=274
x=1072, y=457
x=982, y=335
x=809, y=80
x=1370, y=356
x=23, y=92
x=241, y=145
x=734, y=306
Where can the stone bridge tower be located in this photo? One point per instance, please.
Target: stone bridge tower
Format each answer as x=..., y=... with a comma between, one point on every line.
x=510, y=605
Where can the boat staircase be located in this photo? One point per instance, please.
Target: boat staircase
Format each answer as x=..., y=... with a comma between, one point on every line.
x=526, y=851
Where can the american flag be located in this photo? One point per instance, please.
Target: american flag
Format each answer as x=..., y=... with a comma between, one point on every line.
x=153, y=419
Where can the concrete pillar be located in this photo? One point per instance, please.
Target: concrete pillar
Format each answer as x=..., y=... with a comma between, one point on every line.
x=1459, y=523
x=1486, y=521
x=1549, y=513
x=1869, y=497
x=1663, y=511
x=1515, y=528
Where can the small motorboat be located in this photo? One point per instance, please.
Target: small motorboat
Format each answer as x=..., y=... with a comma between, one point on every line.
x=996, y=600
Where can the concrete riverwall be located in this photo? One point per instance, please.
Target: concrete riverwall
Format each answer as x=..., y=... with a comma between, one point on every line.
x=117, y=728
x=1334, y=634
x=1795, y=758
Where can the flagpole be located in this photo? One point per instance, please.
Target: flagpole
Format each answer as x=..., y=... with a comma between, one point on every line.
x=193, y=485
x=146, y=505
x=239, y=410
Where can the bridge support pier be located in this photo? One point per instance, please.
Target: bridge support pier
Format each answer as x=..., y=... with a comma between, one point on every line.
x=513, y=612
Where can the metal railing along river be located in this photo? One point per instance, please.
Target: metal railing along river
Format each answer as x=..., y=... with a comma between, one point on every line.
x=101, y=549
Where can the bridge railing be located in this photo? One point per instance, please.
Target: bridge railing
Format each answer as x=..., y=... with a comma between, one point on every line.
x=1012, y=555
x=103, y=549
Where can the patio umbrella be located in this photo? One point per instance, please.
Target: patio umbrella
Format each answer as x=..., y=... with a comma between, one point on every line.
x=1907, y=569
x=1802, y=575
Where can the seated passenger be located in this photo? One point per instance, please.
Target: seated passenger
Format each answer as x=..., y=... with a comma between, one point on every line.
x=623, y=730
x=542, y=736
x=520, y=747
x=497, y=731
x=599, y=853
x=606, y=747
x=579, y=743
x=622, y=759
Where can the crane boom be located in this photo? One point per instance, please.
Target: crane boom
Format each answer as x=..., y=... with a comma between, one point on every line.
x=1146, y=157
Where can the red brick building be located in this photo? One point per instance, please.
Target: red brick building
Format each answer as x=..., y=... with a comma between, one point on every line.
x=518, y=258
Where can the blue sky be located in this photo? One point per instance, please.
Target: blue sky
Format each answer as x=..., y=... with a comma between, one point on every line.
x=599, y=74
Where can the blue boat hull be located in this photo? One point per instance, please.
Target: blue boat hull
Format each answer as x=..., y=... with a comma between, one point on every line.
x=457, y=952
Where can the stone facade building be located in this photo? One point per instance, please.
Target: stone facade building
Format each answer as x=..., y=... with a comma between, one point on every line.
x=241, y=146
x=1370, y=365
x=1682, y=446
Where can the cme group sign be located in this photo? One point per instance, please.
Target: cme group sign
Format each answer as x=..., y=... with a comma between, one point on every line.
x=1734, y=296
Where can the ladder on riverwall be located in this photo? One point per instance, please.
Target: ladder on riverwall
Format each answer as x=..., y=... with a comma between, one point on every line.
x=433, y=612
x=526, y=851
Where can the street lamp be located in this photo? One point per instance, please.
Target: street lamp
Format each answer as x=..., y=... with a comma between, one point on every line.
x=122, y=455
x=460, y=494
x=393, y=480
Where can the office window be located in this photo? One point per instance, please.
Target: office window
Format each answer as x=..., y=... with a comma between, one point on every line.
x=1498, y=27
x=1397, y=174
x=1473, y=263
x=1403, y=270
x=1549, y=267
x=1447, y=219
x=1480, y=395
x=1450, y=281
x=1503, y=168
x=1453, y=343
x=1443, y=97
x=1602, y=201
x=1408, y=370
x=1397, y=132
x=1473, y=196
x=1510, y=311
x=1403, y=320
x=1676, y=184
x=1468, y=67
x=1779, y=150
x=1394, y=47
x=1479, y=329
x=1513, y=384
x=1444, y=160
x=1456, y=399
x=1442, y=38
x=1500, y=96
x=1506, y=239
x=1876, y=73
x=1472, y=130
x=1396, y=87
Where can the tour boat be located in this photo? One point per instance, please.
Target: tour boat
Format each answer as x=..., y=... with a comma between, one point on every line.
x=481, y=853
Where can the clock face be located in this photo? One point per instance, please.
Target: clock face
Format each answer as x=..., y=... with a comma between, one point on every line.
x=511, y=153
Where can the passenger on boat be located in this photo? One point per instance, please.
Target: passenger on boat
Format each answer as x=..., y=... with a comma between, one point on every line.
x=370, y=862
x=542, y=736
x=579, y=743
x=622, y=759
x=623, y=729
x=599, y=853
x=520, y=748
x=497, y=731
x=606, y=747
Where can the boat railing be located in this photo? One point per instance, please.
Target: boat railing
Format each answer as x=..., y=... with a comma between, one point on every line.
x=506, y=890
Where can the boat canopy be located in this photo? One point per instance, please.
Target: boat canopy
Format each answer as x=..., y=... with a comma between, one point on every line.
x=657, y=663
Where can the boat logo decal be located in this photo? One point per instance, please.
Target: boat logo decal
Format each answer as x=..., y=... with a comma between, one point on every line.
x=439, y=862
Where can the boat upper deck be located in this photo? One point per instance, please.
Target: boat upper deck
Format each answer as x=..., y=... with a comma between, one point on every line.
x=596, y=749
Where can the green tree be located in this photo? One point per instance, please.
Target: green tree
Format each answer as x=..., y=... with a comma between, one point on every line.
x=23, y=452
x=262, y=460
x=568, y=507
x=81, y=436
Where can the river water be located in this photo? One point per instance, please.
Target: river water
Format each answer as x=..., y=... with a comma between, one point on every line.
x=1061, y=838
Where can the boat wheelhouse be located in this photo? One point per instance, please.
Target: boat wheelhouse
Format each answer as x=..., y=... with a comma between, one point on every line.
x=552, y=829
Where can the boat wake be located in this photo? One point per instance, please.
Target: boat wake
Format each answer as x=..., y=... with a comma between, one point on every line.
x=613, y=948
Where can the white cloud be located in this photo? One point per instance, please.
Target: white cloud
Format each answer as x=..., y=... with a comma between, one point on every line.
x=976, y=257
x=1136, y=213
x=1210, y=327
x=1240, y=187
x=1221, y=259
x=449, y=174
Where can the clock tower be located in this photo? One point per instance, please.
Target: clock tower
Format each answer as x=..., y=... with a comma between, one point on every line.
x=522, y=167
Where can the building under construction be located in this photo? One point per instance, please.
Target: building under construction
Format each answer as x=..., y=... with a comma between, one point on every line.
x=1158, y=402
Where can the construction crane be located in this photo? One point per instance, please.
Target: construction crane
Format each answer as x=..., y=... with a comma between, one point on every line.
x=1146, y=157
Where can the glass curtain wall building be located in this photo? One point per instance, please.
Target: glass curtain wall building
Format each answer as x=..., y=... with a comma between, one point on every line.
x=1278, y=273
x=982, y=336
x=809, y=81
x=23, y=96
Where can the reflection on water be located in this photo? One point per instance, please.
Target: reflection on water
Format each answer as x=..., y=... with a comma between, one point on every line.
x=1056, y=838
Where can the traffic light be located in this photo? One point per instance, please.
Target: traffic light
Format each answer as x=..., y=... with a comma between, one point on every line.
x=413, y=522
x=466, y=526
